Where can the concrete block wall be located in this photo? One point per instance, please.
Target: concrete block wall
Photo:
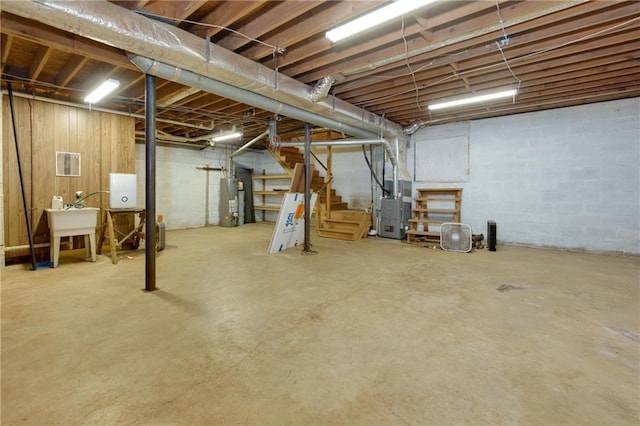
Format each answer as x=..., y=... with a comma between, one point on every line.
x=183, y=196
x=566, y=178
x=351, y=176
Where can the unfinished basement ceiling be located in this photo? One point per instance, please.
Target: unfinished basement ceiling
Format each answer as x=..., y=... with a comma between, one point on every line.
x=558, y=53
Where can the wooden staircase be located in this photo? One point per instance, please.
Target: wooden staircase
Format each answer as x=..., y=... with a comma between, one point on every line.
x=350, y=225
x=288, y=157
x=340, y=223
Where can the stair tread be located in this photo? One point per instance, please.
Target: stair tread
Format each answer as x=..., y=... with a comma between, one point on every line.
x=354, y=222
x=338, y=236
x=338, y=231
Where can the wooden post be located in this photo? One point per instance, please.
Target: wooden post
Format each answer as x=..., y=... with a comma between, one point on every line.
x=328, y=197
x=307, y=189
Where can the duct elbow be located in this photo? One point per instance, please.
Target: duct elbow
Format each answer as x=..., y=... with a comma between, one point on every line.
x=411, y=129
x=321, y=89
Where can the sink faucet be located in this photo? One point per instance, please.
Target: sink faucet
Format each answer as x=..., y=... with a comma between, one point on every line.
x=79, y=203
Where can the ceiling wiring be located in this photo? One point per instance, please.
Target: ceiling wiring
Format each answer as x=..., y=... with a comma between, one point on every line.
x=579, y=39
x=276, y=49
x=505, y=41
x=512, y=60
x=413, y=75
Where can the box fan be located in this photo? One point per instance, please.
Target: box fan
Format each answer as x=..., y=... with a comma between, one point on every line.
x=455, y=237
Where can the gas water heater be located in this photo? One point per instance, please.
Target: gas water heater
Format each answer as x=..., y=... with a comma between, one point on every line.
x=228, y=202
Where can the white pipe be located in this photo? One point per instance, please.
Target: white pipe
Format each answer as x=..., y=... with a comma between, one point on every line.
x=105, y=110
x=207, y=84
x=248, y=144
x=346, y=142
x=167, y=136
x=142, y=140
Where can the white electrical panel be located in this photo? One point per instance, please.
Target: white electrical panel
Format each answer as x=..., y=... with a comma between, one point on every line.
x=122, y=191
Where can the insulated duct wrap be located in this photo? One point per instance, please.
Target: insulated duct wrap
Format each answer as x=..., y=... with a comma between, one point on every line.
x=116, y=26
x=191, y=60
x=321, y=89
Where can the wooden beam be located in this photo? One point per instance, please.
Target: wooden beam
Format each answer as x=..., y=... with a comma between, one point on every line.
x=304, y=30
x=70, y=69
x=225, y=14
x=131, y=4
x=271, y=19
x=423, y=25
x=39, y=61
x=7, y=41
x=475, y=30
x=60, y=40
x=519, y=55
x=527, y=35
x=175, y=10
x=351, y=56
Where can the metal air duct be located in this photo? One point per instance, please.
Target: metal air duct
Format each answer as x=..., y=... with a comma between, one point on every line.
x=116, y=26
x=207, y=84
x=186, y=57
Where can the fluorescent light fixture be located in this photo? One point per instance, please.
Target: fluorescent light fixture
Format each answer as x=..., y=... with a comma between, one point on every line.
x=101, y=91
x=226, y=137
x=474, y=99
x=377, y=17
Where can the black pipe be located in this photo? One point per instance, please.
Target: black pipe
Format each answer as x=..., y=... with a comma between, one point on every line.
x=24, y=197
x=150, y=189
x=307, y=187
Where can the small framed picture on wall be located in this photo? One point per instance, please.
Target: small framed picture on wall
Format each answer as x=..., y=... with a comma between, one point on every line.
x=67, y=164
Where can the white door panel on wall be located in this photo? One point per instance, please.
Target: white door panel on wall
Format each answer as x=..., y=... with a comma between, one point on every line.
x=442, y=160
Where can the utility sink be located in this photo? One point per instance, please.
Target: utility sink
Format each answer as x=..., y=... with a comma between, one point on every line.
x=69, y=222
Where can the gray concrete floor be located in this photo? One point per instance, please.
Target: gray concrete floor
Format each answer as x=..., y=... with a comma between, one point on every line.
x=373, y=332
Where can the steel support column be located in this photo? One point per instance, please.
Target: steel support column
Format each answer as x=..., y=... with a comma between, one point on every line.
x=150, y=183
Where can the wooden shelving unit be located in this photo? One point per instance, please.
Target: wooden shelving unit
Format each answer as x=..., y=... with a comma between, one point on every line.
x=434, y=206
x=273, y=187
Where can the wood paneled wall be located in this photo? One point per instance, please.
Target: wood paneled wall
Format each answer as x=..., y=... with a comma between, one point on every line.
x=106, y=143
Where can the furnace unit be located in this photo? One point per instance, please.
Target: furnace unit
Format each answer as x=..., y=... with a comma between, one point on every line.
x=395, y=211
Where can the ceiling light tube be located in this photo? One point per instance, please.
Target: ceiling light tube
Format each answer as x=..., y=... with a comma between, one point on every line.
x=101, y=91
x=226, y=137
x=377, y=17
x=474, y=99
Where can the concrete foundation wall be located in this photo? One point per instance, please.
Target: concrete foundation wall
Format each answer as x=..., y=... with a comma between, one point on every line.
x=183, y=196
x=351, y=176
x=566, y=178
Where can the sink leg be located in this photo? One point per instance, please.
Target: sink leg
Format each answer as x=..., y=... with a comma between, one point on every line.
x=92, y=243
x=87, y=247
x=55, y=250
